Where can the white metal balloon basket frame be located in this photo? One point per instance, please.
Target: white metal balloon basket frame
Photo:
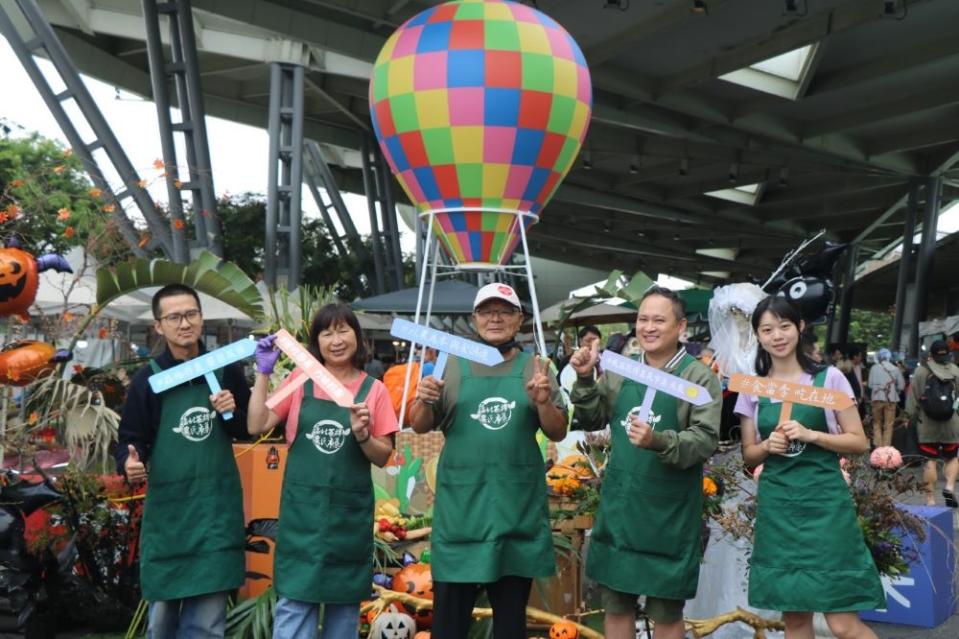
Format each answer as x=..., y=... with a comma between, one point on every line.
x=431, y=263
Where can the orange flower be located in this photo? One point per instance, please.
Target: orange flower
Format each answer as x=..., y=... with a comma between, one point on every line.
x=63, y=214
x=68, y=317
x=58, y=169
x=709, y=487
x=69, y=231
x=67, y=153
x=95, y=192
x=33, y=418
x=158, y=163
x=102, y=333
x=179, y=224
x=16, y=184
x=109, y=208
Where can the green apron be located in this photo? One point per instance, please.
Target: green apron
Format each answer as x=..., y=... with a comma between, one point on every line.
x=647, y=537
x=490, y=517
x=808, y=552
x=324, y=545
x=192, y=538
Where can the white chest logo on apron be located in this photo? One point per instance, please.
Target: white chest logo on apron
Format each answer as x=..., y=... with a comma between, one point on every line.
x=494, y=412
x=795, y=448
x=328, y=436
x=196, y=424
x=634, y=412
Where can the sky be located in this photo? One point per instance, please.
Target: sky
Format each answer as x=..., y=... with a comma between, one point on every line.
x=238, y=152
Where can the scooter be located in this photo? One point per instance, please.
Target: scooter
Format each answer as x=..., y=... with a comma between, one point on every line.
x=28, y=582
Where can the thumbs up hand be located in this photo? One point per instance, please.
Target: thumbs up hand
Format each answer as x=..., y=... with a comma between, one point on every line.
x=584, y=359
x=134, y=468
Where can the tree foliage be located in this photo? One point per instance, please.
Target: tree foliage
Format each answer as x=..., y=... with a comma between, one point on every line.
x=243, y=222
x=874, y=329
x=47, y=200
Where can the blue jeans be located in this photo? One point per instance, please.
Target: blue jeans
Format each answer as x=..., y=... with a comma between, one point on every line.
x=299, y=620
x=200, y=617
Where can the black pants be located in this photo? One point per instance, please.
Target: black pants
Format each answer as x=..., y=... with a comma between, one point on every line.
x=453, y=607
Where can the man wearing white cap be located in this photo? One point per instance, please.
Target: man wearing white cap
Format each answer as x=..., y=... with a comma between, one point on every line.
x=490, y=518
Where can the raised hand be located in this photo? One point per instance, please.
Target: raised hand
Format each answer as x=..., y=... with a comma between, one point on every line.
x=538, y=386
x=135, y=470
x=797, y=432
x=223, y=402
x=778, y=442
x=429, y=389
x=266, y=355
x=584, y=359
x=360, y=421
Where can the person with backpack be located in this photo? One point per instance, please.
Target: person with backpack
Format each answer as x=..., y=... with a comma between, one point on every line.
x=885, y=384
x=932, y=401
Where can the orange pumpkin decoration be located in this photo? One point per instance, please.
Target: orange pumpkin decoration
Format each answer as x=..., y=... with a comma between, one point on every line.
x=19, y=277
x=417, y=580
x=564, y=629
x=422, y=634
x=23, y=362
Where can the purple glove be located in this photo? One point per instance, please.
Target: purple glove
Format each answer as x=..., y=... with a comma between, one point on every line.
x=266, y=355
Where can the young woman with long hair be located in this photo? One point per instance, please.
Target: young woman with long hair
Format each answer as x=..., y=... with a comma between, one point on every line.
x=808, y=554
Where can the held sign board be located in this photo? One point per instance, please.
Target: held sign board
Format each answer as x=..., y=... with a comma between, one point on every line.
x=446, y=344
x=307, y=367
x=789, y=393
x=655, y=381
x=203, y=366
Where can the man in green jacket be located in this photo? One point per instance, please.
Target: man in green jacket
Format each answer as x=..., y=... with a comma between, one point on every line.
x=647, y=535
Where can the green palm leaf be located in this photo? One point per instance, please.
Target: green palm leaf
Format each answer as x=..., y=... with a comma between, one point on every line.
x=207, y=273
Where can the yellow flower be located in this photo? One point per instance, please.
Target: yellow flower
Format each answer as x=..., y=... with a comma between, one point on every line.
x=709, y=487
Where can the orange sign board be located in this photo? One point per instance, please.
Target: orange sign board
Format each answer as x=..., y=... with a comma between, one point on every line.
x=789, y=393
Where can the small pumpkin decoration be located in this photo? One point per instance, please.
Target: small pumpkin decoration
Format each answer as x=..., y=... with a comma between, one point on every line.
x=25, y=361
x=417, y=580
x=19, y=276
x=564, y=629
x=375, y=612
x=392, y=624
x=422, y=634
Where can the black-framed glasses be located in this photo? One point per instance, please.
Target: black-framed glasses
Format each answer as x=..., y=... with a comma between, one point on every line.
x=174, y=319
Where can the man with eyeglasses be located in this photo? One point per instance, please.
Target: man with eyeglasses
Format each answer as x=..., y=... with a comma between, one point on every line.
x=192, y=533
x=490, y=520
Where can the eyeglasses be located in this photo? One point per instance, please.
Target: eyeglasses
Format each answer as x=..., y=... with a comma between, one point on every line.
x=487, y=313
x=174, y=319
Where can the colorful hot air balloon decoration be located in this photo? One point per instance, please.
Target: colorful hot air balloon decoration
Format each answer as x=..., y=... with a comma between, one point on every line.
x=480, y=108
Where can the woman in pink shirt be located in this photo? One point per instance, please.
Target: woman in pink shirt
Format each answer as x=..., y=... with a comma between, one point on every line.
x=324, y=546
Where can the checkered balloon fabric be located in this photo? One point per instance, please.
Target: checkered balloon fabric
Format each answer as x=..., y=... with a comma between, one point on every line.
x=480, y=107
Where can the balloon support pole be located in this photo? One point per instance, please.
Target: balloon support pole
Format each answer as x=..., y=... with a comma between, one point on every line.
x=431, y=251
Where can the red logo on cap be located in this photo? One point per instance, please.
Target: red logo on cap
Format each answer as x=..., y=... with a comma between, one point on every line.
x=505, y=290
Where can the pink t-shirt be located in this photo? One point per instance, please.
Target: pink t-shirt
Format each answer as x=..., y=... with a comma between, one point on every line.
x=748, y=405
x=382, y=417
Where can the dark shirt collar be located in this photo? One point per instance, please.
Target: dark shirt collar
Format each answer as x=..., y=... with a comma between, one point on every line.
x=166, y=360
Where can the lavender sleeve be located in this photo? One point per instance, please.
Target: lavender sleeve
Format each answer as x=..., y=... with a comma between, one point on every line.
x=836, y=381
x=747, y=406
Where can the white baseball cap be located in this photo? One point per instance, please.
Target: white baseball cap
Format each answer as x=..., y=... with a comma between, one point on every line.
x=497, y=291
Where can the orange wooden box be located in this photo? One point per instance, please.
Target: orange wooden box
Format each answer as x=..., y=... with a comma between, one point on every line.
x=261, y=473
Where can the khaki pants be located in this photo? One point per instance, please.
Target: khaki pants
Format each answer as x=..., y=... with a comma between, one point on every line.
x=883, y=417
